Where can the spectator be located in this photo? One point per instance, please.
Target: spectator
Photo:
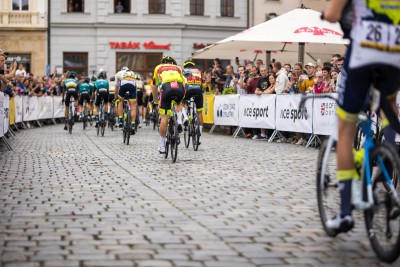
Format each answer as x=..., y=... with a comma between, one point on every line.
x=259, y=62
x=3, y=80
x=282, y=81
x=306, y=82
x=231, y=81
x=334, y=76
x=340, y=78
x=263, y=83
x=320, y=86
x=119, y=7
x=252, y=81
x=241, y=84
x=21, y=70
x=288, y=68
x=207, y=85
x=327, y=78
x=218, y=75
x=334, y=59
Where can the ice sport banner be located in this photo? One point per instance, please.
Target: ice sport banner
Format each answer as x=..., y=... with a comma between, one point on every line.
x=257, y=111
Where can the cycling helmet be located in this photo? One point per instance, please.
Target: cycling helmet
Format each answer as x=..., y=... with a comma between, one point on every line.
x=168, y=59
x=138, y=77
x=93, y=79
x=71, y=75
x=189, y=64
x=124, y=68
x=112, y=78
x=102, y=75
x=86, y=80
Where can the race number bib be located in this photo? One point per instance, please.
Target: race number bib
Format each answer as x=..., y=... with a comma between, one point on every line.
x=380, y=36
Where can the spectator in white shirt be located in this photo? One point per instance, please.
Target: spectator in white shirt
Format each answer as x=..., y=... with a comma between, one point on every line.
x=282, y=80
x=20, y=71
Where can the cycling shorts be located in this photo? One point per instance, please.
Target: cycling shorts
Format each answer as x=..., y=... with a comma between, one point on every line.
x=127, y=88
x=139, y=97
x=84, y=96
x=99, y=96
x=111, y=96
x=170, y=91
x=356, y=82
x=68, y=96
x=197, y=94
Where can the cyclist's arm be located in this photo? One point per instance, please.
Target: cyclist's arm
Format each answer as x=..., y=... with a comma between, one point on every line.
x=334, y=10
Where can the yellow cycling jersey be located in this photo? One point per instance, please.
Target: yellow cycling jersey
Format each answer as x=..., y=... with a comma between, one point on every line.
x=111, y=89
x=165, y=73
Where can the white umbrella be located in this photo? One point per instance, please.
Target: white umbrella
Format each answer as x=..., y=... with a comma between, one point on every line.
x=285, y=33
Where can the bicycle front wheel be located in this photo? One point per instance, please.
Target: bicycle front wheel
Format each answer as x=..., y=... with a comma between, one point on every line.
x=195, y=132
x=382, y=220
x=187, y=134
x=327, y=186
x=174, y=140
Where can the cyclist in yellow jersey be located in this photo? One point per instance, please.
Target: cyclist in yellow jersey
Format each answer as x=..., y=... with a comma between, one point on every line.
x=170, y=77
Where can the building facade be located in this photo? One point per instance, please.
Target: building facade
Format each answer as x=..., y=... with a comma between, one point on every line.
x=23, y=33
x=89, y=35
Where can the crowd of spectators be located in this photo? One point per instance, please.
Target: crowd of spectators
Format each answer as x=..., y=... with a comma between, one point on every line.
x=275, y=78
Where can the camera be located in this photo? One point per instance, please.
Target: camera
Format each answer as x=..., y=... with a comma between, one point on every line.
x=2, y=72
x=246, y=72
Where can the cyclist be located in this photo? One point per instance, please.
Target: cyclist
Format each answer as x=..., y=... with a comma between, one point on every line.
x=111, y=93
x=170, y=77
x=101, y=87
x=125, y=82
x=92, y=93
x=372, y=49
x=70, y=88
x=140, y=88
x=194, y=89
x=84, y=93
x=148, y=98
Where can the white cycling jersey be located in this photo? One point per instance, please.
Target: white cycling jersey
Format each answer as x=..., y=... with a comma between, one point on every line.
x=125, y=77
x=375, y=34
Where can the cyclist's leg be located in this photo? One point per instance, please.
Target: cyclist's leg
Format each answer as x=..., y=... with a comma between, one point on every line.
x=66, y=109
x=76, y=101
x=105, y=106
x=199, y=101
x=188, y=95
x=97, y=100
x=120, y=110
x=179, y=94
x=139, y=101
x=352, y=95
x=165, y=106
x=132, y=103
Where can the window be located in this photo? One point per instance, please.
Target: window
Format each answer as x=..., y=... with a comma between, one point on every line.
x=76, y=6
x=21, y=59
x=19, y=5
x=157, y=6
x=122, y=6
x=227, y=8
x=142, y=63
x=197, y=7
x=76, y=61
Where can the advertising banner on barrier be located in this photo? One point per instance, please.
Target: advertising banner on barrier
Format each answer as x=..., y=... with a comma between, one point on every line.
x=289, y=117
x=58, y=107
x=12, y=111
x=226, y=110
x=6, y=113
x=45, y=107
x=30, y=108
x=18, y=108
x=257, y=111
x=324, y=115
x=2, y=115
x=208, y=109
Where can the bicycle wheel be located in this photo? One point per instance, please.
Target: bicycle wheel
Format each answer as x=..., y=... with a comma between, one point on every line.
x=174, y=140
x=128, y=127
x=103, y=127
x=382, y=220
x=84, y=118
x=111, y=119
x=327, y=186
x=168, y=137
x=195, y=132
x=70, y=118
x=187, y=134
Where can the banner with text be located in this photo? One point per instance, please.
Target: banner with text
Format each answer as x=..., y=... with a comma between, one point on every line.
x=30, y=108
x=6, y=113
x=324, y=115
x=46, y=107
x=226, y=110
x=58, y=107
x=289, y=117
x=18, y=108
x=257, y=111
x=208, y=109
x=2, y=115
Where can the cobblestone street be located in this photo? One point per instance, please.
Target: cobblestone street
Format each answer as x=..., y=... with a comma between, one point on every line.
x=82, y=200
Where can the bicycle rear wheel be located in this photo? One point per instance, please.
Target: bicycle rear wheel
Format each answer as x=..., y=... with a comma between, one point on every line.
x=84, y=118
x=174, y=139
x=128, y=127
x=70, y=119
x=187, y=133
x=327, y=186
x=383, y=226
x=195, y=132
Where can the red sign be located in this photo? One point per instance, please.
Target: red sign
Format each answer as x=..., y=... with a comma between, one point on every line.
x=316, y=31
x=124, y=45
x=136, y=45
x=152, y=45
x=200, y=46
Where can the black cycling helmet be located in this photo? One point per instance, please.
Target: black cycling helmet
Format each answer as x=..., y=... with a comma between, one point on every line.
x=86, y=80
x=93, y=79
x=71, y=75
x=189, y=64
x=168, y=59
x=102, y=75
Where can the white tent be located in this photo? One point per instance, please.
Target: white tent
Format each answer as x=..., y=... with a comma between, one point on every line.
x=293, y=31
